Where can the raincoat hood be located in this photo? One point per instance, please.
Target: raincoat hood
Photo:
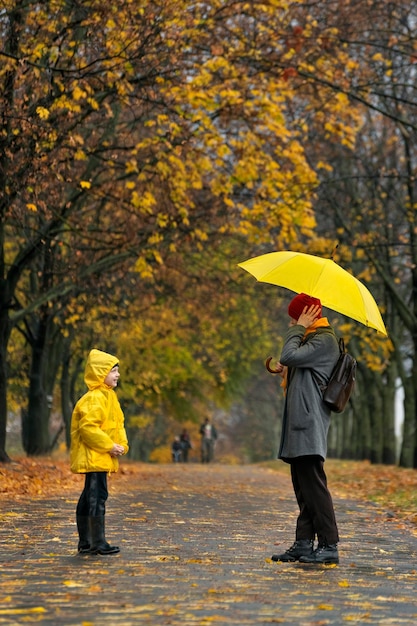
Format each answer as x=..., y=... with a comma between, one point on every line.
x=98, y=366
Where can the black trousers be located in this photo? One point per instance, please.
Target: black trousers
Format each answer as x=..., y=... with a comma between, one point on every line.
x=317, y=517
x=92, y=502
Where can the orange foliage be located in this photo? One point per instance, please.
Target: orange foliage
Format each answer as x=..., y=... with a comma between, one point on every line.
x=37, y=477
x=392, y=488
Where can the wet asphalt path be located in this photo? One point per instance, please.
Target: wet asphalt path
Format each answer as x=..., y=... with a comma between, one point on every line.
x=195, y=545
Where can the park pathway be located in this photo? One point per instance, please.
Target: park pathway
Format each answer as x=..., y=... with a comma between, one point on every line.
x=195, y=545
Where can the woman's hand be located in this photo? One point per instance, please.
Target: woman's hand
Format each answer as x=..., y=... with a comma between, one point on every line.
x=278, y=368
x=309, y=315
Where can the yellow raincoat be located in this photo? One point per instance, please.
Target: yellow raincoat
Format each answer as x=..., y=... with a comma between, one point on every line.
x=97, y=420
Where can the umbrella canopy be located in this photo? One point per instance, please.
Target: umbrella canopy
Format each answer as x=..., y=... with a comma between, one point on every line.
x=321, y=278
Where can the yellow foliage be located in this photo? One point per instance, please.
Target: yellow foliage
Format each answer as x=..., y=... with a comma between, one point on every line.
x=182, y=126
x=80, y=155
x=162, y=220
x=78, y=93
x=143, y=268
x=141, y=421
x=324, y=166
x=131, y=166
x=157, y=256
x=65, y=103
x=201, y=235
x=93, y=103
x=42, y=112
x=161, y=454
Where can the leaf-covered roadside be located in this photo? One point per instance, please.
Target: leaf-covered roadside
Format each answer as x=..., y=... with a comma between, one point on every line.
x=390, y=487
x=47, y=476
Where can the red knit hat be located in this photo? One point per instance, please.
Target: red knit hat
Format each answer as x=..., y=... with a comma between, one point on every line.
x=298, y=304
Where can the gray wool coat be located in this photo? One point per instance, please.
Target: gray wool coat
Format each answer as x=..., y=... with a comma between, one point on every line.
x=306, y=419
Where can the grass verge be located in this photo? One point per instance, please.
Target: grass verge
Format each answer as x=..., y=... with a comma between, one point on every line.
x=392, y=488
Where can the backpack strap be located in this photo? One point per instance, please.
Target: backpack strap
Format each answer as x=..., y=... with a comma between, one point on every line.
x=342, y=349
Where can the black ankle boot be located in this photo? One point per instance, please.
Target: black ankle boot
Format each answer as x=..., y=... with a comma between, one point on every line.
x=99, y=544
x=83, y=528
x=325, y=553
x=300, y=548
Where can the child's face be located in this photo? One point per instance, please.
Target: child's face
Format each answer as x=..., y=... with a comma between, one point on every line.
x=112, y=377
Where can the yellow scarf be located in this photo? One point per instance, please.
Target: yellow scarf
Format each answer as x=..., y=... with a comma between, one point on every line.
x=319, y=323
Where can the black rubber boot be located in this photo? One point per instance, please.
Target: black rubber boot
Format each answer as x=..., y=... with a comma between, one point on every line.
x=83, y=527
x=99, y=544
x=325, y=553
x=300, y=548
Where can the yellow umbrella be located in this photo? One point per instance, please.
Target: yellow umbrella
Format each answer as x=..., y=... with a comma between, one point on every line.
x=320, y=278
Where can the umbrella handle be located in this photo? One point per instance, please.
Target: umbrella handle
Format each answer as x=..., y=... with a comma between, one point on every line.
x=267, y=365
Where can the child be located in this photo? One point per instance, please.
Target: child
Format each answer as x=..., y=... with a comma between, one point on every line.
x=98, y=437
x=176, y=449
x=185, y=444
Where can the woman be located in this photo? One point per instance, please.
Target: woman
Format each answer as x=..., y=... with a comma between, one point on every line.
x=308, y=357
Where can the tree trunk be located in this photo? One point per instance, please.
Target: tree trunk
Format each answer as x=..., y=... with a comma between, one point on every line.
x=35, y=426
x=10, y=45
x=5, y=330
x=362, y=421
x=46, y=355
x=389, y=447
x=375, y=409
x=4, y=457
x=67, y=387
x=414, y=439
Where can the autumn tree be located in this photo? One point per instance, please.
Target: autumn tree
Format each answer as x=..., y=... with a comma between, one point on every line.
x=368, y=194
x=360, y=58
x=187, y=344
x=126, y=129
x=129, y=131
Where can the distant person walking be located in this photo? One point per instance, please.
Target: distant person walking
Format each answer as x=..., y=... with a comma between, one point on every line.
x=176, y=450
x=308, y=357
x=98, y=438
x=208, y=437
x=185, y=445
